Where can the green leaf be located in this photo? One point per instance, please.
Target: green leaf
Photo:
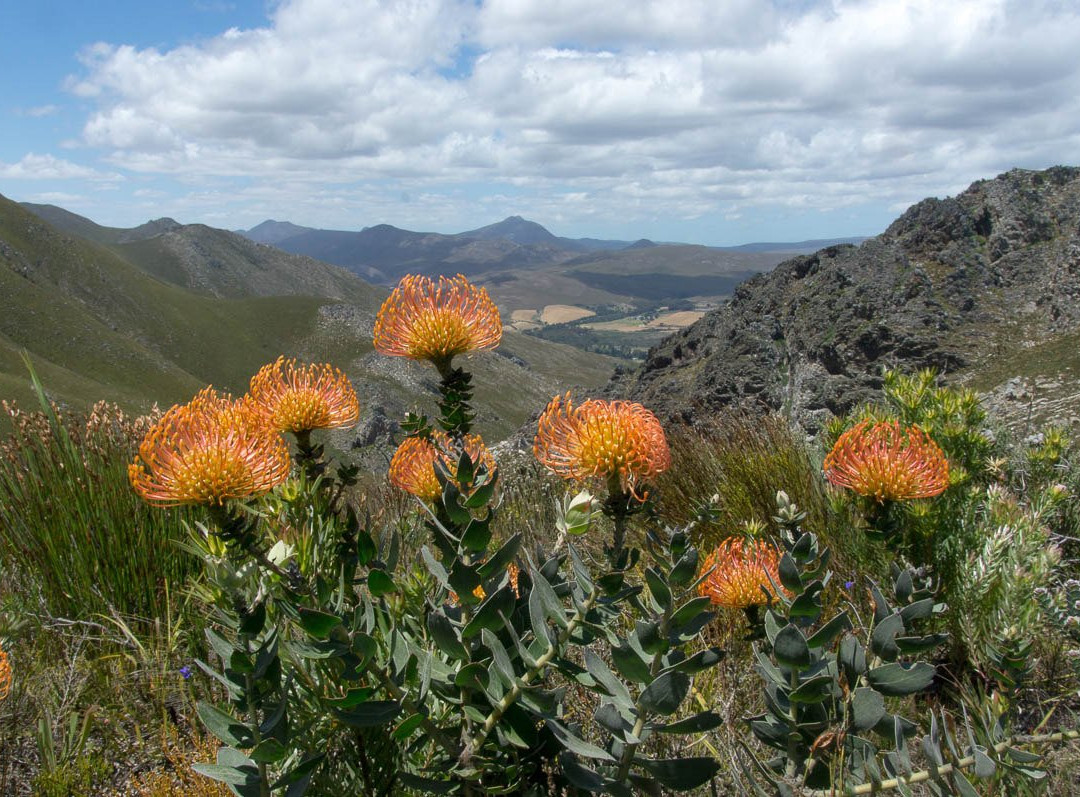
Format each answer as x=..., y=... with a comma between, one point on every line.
x=481, y=495
x=630, y=665
x=365, y=548
x=370, y=714
x=903, y=586
x=549, y=601
x=445, y=636
x=657, y=588
x=867, y=707
x=318, y=624
x=491, y=613
x=426, y=785
x=689, y=610
x=700, y=661
x=407, y=726
x=685, y=569
x=477, y=535
x=253, y=620
x=790, y=648
x=919, y=610
x=603, y=675
x=380, y=583
x=984, y=765
x=825, y=635
x=897, y=679
x=682, y=774
x=580, y=776
x=304, y=769
x=473, y=676
x=231, y=775
x=963, y=785
x=225, y=727
x=648, y=636
x=353, y=697
x=1023, y=756
x=435, y=567
x=852, y=657
x=882, y=641
x=665, y=694
x=696, y=723
x=465, y=470
x=919, y=644
x=789, y=574
x=575, y=744
x=813, y=690
x=268, y=751
x=220, y=645
x=499, y=658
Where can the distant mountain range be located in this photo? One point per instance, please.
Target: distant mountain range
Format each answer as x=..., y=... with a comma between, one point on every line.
x=154, y=313
x=384, y=253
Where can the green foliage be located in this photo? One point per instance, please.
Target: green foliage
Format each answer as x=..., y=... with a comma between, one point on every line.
x=727, y=474
x=826, y=701
x=71, y=528
x=466, y=655
x=987, y=538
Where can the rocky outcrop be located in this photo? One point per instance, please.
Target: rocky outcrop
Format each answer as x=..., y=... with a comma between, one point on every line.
x=951, y=284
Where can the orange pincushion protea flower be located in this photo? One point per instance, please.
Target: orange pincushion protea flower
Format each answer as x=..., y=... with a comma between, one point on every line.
x=298, y=398
x=742, y=569
x=413, y=465
x=208, y=451
x=883, y=462
x=604, y=439
x=6, y=674
x=425, y=320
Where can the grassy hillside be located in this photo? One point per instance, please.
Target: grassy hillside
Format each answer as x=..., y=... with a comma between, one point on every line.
x=153, y=320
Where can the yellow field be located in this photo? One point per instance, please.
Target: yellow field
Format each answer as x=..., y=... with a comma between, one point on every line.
x=562, y=313
x=665, y=321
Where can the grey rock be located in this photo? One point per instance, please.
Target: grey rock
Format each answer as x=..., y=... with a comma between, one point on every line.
x=950, y=284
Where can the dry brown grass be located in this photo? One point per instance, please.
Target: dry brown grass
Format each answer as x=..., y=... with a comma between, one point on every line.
x=563, y=313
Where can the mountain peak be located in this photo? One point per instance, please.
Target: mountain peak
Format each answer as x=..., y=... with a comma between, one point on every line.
x=516, y=229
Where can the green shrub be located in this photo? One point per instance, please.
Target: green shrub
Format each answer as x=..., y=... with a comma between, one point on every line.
x=71, y=530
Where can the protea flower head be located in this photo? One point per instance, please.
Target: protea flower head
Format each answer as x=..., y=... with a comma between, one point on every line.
x=412, y=467
x=741, y=572
x=608, y=440
x=208, y=451
x=425, y=320
x=6, y=676
x=887, y=463
x=299, y=398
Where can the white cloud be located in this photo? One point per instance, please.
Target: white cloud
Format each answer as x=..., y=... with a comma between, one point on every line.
x=37, y=111
x=49, y=167
x=689, y=105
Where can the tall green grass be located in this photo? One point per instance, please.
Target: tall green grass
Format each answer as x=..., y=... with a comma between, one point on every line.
x=740, y=461
x=71, y=528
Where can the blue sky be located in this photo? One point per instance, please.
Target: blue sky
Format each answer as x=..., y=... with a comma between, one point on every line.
x=693, y=120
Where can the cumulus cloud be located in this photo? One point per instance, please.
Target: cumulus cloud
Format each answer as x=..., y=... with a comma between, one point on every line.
x=692, y=104
x=49, y=167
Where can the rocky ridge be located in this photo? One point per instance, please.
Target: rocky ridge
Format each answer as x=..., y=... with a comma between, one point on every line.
x=965, y=284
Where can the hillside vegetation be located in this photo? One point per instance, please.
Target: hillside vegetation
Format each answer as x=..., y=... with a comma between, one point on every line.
x=150, y=315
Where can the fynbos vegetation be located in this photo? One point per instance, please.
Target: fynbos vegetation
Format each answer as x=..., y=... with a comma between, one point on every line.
x=682, y=626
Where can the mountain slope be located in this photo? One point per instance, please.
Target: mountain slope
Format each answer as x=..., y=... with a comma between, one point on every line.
x=962, y=284
x=99, y=325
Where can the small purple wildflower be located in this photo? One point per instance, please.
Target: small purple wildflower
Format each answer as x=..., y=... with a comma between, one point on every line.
x=185, y=671
x=849, y=584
